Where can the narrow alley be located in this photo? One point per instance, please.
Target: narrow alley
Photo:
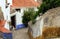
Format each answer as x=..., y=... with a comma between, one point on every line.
x=21, y=34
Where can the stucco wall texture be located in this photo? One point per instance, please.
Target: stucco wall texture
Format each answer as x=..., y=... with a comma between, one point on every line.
x=51, y=24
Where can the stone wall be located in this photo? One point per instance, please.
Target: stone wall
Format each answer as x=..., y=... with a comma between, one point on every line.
x=48, y=25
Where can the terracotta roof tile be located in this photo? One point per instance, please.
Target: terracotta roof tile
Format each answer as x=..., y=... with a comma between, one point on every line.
x=2, y=29
x=24, y=3
x=2, y=23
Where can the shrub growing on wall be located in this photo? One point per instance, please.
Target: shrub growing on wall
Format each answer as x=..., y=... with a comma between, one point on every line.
x=29, y=15
x=48, y=4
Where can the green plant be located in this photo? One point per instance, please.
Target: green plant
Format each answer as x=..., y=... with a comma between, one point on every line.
x=48, y=4
x=29, y=15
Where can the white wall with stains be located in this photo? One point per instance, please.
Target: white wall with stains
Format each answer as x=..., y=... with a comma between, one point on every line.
x=6, y=12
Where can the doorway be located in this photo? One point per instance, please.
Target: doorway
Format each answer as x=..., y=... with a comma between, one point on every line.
x=13, y=21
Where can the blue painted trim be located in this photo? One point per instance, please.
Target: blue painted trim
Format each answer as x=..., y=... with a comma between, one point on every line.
x=7, y=36
x=20, y=26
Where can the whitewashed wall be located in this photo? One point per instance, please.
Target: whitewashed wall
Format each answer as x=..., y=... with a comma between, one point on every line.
x=9, y=1
x=6, y=12
x=7, y=26
x=2, y=5
x=19, y=17
x=35, y=8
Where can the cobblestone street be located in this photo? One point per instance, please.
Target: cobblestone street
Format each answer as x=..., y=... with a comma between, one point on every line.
x=21, y=34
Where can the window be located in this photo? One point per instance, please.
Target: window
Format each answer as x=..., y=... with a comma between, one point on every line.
x=18, y=10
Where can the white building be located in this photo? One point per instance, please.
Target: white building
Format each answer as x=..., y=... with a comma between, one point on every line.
x=13, y=11
x=6, y=11
x=18, y=6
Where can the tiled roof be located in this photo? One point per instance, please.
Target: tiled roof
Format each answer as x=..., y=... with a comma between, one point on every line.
x=24, y=3
x=2, y=29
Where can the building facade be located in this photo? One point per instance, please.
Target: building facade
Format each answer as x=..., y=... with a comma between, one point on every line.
x=5, y=8
x=13, y=11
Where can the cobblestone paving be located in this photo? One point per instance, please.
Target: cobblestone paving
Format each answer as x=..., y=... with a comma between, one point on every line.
x=21, y=34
